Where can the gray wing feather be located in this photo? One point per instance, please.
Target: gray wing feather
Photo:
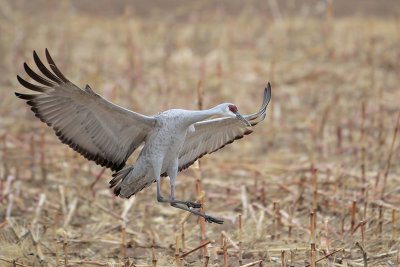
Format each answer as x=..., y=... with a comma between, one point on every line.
x=212, y=135
x=266, y=99
x=88, y=123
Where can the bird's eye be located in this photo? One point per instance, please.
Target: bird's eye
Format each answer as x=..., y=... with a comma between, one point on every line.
x=233, y=108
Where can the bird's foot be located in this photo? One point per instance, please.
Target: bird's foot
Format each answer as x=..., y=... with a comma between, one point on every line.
x=192, y=204
x=212, y=219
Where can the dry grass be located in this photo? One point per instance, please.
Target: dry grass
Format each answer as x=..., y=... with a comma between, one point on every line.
x=317, y=183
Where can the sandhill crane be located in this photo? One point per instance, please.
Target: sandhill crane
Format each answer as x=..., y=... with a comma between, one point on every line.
x=108, y=134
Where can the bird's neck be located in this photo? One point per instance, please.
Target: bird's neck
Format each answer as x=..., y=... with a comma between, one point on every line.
x=199, y=115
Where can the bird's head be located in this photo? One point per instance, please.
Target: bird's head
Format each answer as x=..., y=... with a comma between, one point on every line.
x=230, y=110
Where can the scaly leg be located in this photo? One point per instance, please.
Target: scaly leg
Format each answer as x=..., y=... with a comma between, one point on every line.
x=173, y=172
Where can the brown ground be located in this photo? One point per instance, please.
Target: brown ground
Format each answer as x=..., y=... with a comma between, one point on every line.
x=314, y=151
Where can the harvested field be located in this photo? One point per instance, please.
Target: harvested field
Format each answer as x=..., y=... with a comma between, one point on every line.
x=316, y=184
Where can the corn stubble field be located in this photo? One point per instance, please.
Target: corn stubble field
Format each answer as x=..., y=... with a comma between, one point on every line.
x=317, y=183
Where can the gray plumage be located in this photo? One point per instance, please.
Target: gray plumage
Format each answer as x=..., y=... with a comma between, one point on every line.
x=108, y=134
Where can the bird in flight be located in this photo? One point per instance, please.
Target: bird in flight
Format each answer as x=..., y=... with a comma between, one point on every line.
x=108, y=134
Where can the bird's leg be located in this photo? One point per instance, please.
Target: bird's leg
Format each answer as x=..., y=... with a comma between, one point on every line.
x=159, y=197
x=172, y=200
x=173, y=172
x=172, y=179
x=157, y=172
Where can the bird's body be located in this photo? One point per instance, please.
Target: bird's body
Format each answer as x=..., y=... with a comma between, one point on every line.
x=162, y=145
x=108, y=134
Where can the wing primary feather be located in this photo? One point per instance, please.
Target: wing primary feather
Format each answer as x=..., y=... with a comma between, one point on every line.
x=268, y=94
x=45, y=101
x=260, y=120
x=55, y=109
x=266, y=99
x=51, y=105
x=45, y=70
x=54, y=67
x=25, y=96
x=37, y=77
x=33, y=87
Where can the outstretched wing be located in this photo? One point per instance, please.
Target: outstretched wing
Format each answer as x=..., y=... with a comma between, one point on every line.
x=82, y=119
x=211, y=135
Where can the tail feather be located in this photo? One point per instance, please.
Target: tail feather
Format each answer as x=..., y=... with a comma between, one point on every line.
x=129, y=181
x=119, y=176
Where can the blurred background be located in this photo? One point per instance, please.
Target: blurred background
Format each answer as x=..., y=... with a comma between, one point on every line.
x=328, y=144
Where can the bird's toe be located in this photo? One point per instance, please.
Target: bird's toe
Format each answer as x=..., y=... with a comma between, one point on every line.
x=193, y=204
x=213, y=220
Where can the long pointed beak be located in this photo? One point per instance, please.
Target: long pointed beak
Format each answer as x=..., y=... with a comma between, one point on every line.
x=240, y=117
